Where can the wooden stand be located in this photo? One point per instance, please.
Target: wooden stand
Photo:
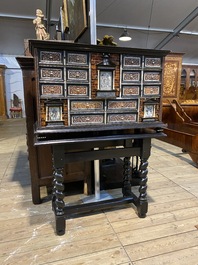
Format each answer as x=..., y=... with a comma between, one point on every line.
x=137, y=145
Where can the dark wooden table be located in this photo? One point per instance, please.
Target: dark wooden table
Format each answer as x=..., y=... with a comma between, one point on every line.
x=98, y=146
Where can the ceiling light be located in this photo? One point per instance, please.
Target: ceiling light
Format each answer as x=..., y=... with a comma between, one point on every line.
x=125, y=36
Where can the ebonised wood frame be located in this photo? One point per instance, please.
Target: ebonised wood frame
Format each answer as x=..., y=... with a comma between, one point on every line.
x=138, y=145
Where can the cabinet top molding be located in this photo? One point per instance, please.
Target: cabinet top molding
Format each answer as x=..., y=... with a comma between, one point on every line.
x=57, y=45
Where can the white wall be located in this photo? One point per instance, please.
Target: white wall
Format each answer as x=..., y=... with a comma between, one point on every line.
x=13, y=80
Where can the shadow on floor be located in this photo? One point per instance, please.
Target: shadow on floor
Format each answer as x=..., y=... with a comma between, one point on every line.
x=179, y=155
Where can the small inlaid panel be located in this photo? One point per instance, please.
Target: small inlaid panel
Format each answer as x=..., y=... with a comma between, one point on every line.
x=52, y=89
x=77, y=59
x=51, y=73
x=121, y=104
x=53, y=113
x=77, y=74
x=86, y=105
x=152, y=77
x=125, y=118
x=87, y=119
x=153, y=62
x=79, y=90
x=130, y=76
x=131, y=61
x=51, y=57
x=151, y=90
x=130, y=90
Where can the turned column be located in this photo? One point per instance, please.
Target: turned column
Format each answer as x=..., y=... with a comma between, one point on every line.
x=126, y=189
x=142, y=206
x=58, y=189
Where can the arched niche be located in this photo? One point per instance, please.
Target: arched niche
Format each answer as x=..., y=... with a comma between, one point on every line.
x=183, y=84
x=192, y=78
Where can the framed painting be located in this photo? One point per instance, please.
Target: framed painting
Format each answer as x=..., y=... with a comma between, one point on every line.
x=74, y=18
x=64, y=17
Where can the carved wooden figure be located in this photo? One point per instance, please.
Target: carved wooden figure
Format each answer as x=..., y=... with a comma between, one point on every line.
x=41, y=33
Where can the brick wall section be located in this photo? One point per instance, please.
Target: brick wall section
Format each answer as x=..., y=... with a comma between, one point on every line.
x=42, y=113
x=141, y=109
x=96, y=58
x=65, y=113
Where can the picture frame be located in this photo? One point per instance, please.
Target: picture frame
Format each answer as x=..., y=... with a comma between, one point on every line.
x=149, y=111
x=74, y=18
x=105, y=80
x=53, y=113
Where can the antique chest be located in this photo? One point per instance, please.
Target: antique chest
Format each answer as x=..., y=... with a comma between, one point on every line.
x=83, y=88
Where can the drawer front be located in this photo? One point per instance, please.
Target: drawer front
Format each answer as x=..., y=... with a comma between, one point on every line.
x=51, y=74
x=153, y=62
x=125, y=118
x=87, y=119
x=77, y=59
x=80, y=90
x=130, y=90
x=151, y=90
x=122, y=104
x=51, y=57
x=77, y=75
x=52, y=89
x=131, y=76
x=152, y=76
x=86, y=105
x=131, y=61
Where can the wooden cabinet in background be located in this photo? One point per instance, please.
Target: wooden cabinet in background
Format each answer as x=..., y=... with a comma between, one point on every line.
x=3, y=111
x=172, y=76
x=180, y=108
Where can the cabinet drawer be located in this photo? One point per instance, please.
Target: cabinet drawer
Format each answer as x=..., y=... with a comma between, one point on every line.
x=151, y=91
x=122, y=104
x=130, y=91
x=115, y=118
x=86, y=105
x=77, y=59
x=87, y=119
x=131, y=76
x=51, y=74
x=153, y=62
x=52, y=90
x=152, y=76
x=51, y=57
x=77, y=75
x=79, y=90
x=131, y=61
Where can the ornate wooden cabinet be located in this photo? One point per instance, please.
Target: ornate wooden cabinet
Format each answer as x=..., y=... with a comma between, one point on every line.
x=180, y=107
x=80, y=85
x=88, y=101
